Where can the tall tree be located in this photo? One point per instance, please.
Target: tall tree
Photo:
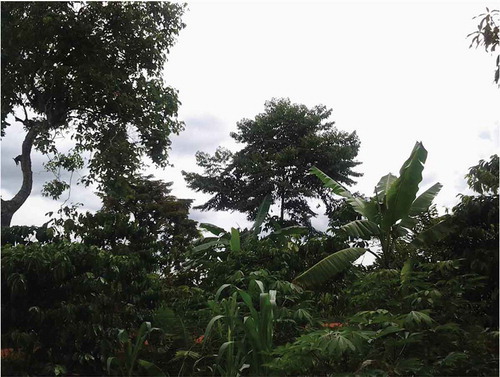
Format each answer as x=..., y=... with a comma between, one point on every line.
x=280, y=146
x=92, y=70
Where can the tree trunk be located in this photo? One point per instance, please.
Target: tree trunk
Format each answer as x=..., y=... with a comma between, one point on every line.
x=282, y=207
x=9, y=207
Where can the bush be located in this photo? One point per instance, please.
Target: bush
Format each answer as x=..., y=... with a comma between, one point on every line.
x=63, y=303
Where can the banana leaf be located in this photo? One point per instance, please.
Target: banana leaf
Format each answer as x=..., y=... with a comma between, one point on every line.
x=361, y=228
x=329, y=267
x=363, y=207
x=261, y=214
x=424, y=201
x=403, y=191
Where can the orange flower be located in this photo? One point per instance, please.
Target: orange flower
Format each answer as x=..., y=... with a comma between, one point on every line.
x=11, y=353
x=5, y=352
x=199, y=339
x=332, y=325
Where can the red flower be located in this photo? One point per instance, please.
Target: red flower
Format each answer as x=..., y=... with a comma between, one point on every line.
x=5, y=352
x=11, y=353
x=199, y=339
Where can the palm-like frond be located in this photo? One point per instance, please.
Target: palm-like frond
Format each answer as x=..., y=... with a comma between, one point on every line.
x=329, y=267
x=361, y=206
x=361, y=228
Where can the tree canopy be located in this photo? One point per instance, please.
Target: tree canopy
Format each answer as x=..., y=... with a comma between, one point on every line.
x=280, y=146
x=92, y=71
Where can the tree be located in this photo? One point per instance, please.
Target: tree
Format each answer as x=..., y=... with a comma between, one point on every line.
x=92, y=71
x=488, y=35
x=146, y=220
x=475, y=235
x=281, y=144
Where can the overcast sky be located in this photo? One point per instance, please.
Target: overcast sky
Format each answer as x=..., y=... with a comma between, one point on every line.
x=396, y=72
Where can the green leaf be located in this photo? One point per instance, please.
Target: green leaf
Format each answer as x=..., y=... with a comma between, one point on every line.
x=219, y=291
x=433, y=234
x=248, y=302
x=388, y=330
x=211, y=323
x=361, y=228
x=234, y=243
x=403, y=191
x=406, y=272
x=408, y=222
x=184, y=354
x=123, y=336
x=335, y=343
x=405, y=276
x=328, y=182
x=359, y=205
x=290, y=231
x=261, y=214
x=415, y=317
x=424, y=200
x=259, y=285
x=384, y=185
x=453, y=358
x=151, y=368
x=145, y=328
x=329, y=267
x=214, y=229
x=223, y=348
x=110, y=362
x=251, y=330
x=403, y=367
x=210, y=244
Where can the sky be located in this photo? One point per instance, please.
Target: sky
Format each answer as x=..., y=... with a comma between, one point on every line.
x=395, y=72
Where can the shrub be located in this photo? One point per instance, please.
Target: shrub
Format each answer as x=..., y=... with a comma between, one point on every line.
x=63, y=303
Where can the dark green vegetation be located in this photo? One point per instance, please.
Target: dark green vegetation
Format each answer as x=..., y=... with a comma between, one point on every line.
x=138, y=288
x=233, y=303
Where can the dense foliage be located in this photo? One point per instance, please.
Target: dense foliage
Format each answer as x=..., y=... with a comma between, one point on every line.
x=231, y=307
x=62, y=304
x=138, y=288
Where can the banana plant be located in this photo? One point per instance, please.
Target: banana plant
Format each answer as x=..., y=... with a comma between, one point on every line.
x=390, y=215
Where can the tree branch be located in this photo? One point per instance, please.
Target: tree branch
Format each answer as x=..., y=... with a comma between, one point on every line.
x=9, y=207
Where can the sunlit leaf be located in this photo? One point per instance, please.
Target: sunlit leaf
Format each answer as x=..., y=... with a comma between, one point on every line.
x=234, y=243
